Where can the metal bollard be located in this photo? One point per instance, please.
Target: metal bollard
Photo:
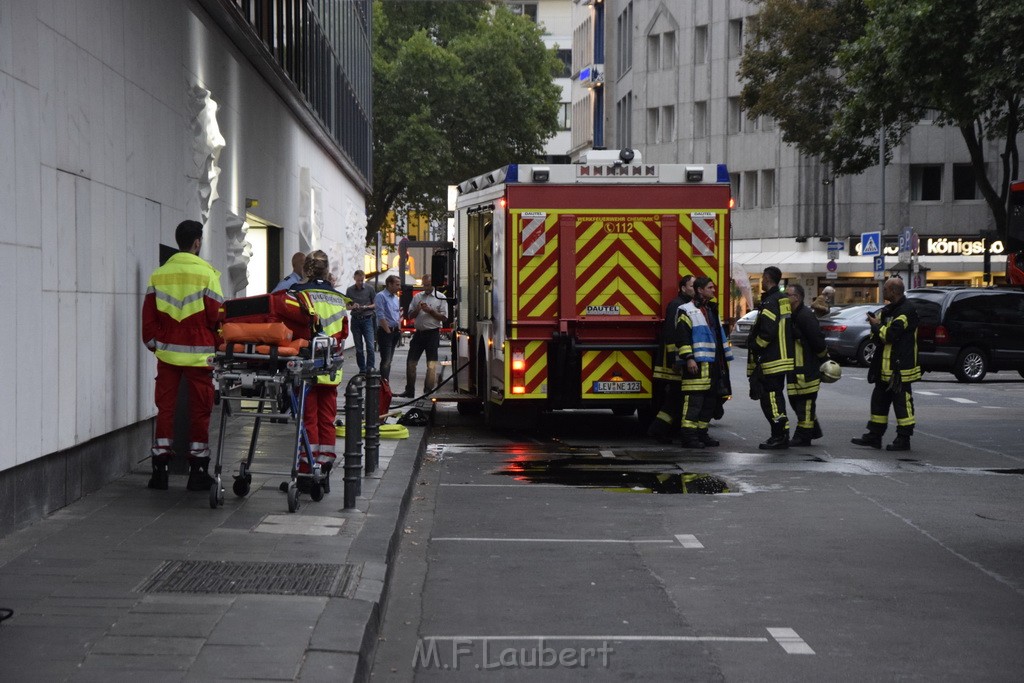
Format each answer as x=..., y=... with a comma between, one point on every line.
x=353, y=440
x=372, y=421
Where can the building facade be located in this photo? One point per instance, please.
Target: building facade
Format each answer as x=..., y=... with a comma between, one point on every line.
x=120, y=119
x=661, y=77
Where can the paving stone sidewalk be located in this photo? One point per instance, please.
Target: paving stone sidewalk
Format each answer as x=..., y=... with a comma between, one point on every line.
x=129, y=582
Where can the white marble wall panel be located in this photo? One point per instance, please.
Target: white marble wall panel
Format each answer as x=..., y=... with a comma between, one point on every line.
x=47, y=113
x=19, y=56
x=32, y=322
x=8, y=134
x=48, y=379
x=49, y=230
x=26, y=164
x=66, y=244
x=67, y=398
x=8, y=399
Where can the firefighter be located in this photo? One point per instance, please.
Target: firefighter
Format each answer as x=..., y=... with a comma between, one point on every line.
x=321, y=408
x=666, y=374
x=893, y=369
x=703, y=358
x=179, y=325
x=809, y=353
x=770, y=358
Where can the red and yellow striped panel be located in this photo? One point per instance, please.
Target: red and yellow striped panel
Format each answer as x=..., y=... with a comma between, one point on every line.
x=619, y=264
x=629, y=373
x=535, y=269
x=535, y=354
x=689, y=258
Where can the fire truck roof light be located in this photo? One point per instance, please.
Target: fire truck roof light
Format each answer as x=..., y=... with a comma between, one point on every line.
x=694, y=174
x=723, y=173
x=541, y=174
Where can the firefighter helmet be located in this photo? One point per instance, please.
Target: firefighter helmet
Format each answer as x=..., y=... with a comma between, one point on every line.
x=830, y=371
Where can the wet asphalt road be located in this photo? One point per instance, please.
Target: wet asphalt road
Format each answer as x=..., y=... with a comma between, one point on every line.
x=827, y=563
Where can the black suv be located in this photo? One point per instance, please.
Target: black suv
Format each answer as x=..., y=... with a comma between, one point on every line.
x=970, y=331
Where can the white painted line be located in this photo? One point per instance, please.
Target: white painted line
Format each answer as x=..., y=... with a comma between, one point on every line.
x=689, y=541
x=790, y=641
x=606, y=454
x=621, y=638
x=962, y=400
x=926, y=393
x=467, y=539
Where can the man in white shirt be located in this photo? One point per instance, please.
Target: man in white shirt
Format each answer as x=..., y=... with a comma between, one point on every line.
x=430, y=309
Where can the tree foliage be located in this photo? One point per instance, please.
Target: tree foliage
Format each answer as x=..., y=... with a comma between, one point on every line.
x=833, y=71
x=460, y=88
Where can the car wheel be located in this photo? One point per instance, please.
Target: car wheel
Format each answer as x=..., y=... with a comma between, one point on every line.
x=866, y=351
x=971, y=365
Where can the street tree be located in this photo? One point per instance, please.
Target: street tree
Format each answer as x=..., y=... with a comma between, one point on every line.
x=460, y=88
x=839, y=74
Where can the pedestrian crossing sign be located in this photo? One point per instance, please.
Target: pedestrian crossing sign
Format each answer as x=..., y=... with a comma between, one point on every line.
x=870, y=243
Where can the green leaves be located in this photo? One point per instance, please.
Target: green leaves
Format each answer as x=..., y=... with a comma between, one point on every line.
x=459, y=90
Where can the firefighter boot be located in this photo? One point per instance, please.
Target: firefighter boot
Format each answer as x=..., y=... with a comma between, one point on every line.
x=802, y=437
x=869, y=439
x=779, y=439
x=816, y=433
x=706, y=439
x=900, y=443
x=691, y=438
x=430, y=381
x=158, y=480
x=410, y=381
x=199, y=478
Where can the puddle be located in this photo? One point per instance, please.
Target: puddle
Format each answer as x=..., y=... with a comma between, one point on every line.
x=635, y=476
x=1016, y=471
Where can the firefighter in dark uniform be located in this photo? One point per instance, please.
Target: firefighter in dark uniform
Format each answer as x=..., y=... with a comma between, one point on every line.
x=893, y=369
x=666, y=374
x=809, y=352
x=703, y=358
x=770, y=358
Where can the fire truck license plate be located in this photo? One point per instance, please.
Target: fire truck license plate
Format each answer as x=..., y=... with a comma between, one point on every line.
x=617, y=387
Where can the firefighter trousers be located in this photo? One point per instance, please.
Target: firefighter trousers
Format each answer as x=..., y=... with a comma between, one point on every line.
x=670, y=410
x=698, y=409
x=902, y=402
x=805, y=408
x=199, y=381
x=321, y=410
x=773, y=401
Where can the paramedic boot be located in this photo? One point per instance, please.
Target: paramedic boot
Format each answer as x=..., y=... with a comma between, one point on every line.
x=430, y=381
x=869, y=439
x=779, y=439
x=707, y=439
x=158, y=480
x=410, y=381
x=325, y=475
x=198, y=477
x=900, y=443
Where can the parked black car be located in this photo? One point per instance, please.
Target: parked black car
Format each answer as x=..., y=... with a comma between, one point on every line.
x=970, y=331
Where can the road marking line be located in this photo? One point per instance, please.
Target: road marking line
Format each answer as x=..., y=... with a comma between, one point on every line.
x=547, y=540
x=962, y=400
x=653, y=639
x=606, y=454
x=790, y=641
x=926, y=393
x=689, y=541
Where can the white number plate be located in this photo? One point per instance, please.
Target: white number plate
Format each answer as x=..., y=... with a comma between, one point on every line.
x=617, y=387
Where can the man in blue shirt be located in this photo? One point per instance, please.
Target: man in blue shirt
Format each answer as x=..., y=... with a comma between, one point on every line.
x=388, y=329
x=296, y=276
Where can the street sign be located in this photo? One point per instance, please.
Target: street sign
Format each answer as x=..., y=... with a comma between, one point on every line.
x=832, y=266
x=906, y=244
x=879, y=265
x=835, y=249
x=870, y=243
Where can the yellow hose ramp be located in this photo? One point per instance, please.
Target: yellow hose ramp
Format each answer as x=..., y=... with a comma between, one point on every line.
x=387, y=431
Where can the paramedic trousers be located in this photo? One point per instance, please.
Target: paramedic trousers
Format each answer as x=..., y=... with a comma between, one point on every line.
x=902, y=402
x=321, y=410
x=199, y=381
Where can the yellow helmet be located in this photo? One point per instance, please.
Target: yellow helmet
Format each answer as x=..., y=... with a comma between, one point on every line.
x=830, y=371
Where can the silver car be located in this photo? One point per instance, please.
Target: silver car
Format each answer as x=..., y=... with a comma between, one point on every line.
x=848, y=334
x=738, y=336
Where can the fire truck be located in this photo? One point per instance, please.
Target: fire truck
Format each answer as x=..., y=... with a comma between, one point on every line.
x=1015, y=233
x=564, y=272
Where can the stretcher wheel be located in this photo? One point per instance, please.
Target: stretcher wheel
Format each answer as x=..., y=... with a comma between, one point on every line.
x=241, y=486
x=293, y=497
x=216, y=494
x=316, y=492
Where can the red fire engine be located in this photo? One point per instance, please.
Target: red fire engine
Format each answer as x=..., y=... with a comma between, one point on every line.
x=564, y=272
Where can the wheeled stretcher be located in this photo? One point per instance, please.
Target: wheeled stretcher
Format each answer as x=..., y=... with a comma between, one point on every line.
x=260, y=363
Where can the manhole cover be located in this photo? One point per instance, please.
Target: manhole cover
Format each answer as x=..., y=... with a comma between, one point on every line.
x=233, y=578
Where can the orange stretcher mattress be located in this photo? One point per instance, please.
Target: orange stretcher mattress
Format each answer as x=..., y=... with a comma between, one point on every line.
x=276, y=333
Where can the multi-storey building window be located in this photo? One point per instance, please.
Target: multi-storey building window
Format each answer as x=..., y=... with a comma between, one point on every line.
x=735, y=38
x=700, y=44
x=668, y=50
x=624, y=25
x=654, y=52
x=565, y=57
x=653, y=125
x=564, y=116
x=668, y=123
x=734, y=115
x=526, y=9
x=964, y=185
x=750, y=200
x=624, y=121
x=925, y=182
x=700, y=119
x=767, y=189
x=734, y=185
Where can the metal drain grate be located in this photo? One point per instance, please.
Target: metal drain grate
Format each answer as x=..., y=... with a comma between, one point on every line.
x=262, y=578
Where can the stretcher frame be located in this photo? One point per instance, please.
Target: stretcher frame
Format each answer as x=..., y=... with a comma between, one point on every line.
x=260, y=378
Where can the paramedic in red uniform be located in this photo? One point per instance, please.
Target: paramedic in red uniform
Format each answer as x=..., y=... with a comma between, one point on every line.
x=322, y=400
x=179, y=324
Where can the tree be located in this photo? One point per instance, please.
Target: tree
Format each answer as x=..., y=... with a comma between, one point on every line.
x=832, y=71
x=460, y=88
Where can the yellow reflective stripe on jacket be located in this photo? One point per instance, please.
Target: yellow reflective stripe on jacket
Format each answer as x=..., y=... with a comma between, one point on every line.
x=187, y=356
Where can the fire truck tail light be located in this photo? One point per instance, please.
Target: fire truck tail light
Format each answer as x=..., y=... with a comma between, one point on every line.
x=518, y=389
x=518, y=365
x=732, y=202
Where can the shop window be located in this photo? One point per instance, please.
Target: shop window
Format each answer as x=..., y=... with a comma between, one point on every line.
x=925, y=182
